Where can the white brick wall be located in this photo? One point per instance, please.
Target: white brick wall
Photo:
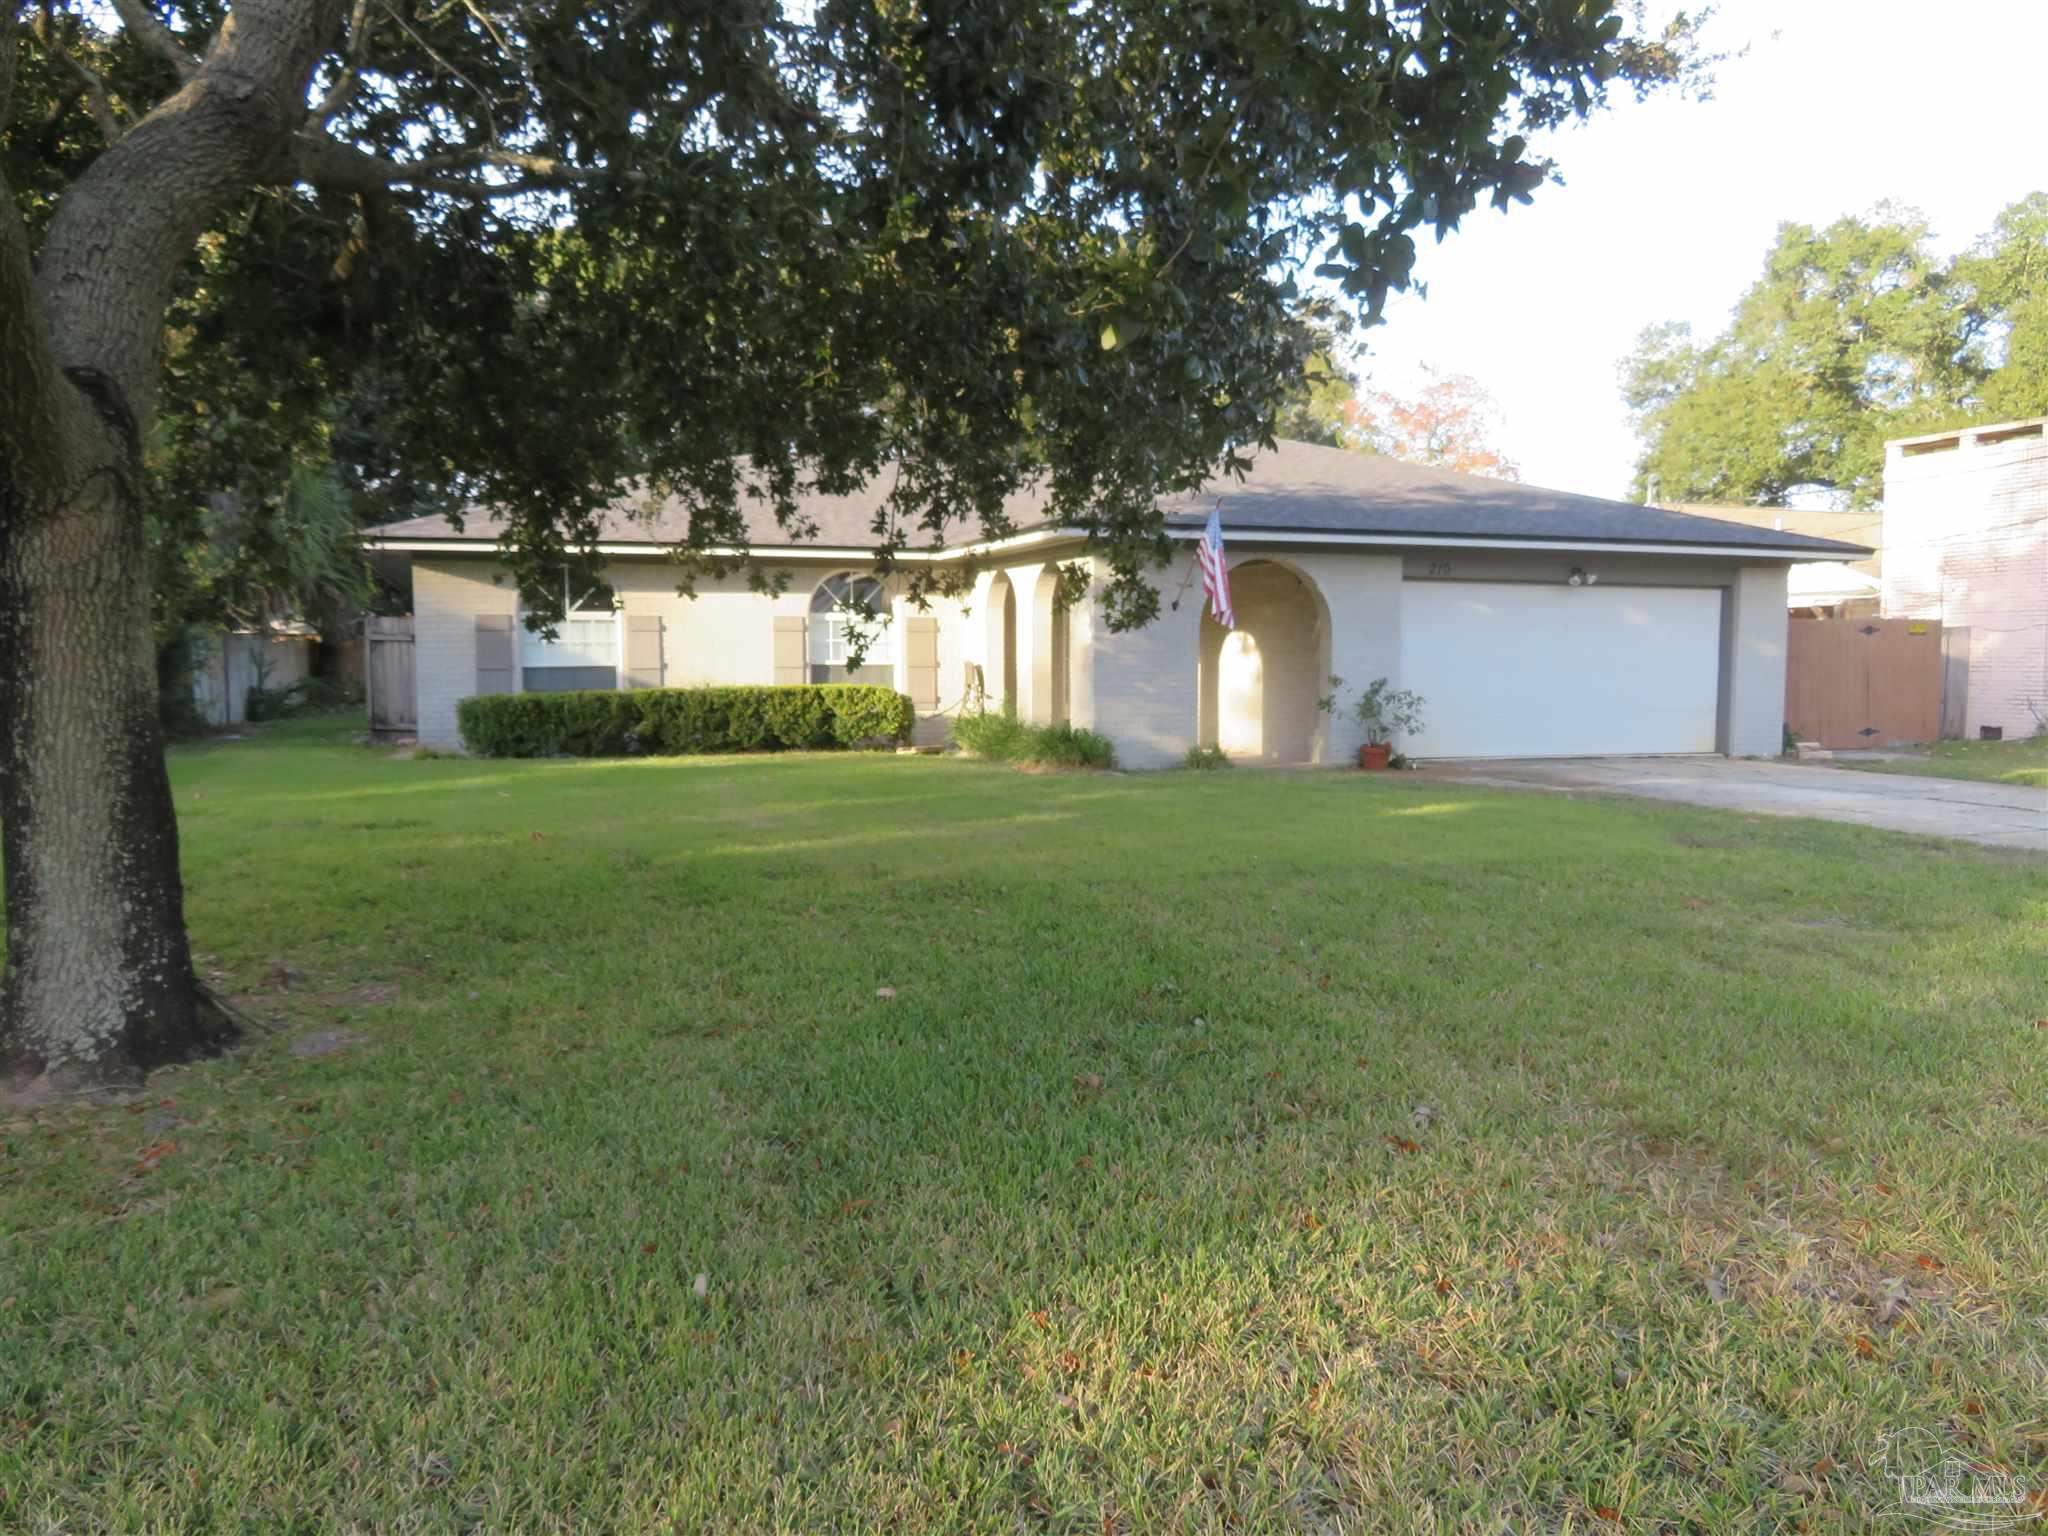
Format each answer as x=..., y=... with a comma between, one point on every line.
x=1754, y=637
x=1966, y=543
x=1148, y=684
x=1139, y=688
x=1364, y=597
x=447, y=596
x=721, y=636
x=1142, y=682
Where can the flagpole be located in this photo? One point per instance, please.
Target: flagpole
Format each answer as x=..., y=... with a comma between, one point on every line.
x=1193, y=563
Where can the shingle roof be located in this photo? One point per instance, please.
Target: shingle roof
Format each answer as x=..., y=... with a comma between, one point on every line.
x=842, y=521
x=1295, y=488
x=1305, y=488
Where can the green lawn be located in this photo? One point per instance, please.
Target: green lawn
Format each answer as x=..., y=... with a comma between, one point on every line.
x=1996, y=762
x=875, y=1143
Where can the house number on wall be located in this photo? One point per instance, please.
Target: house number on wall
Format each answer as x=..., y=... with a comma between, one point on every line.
x=1439, y=567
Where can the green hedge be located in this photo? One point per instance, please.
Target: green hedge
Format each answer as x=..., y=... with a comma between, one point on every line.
x=679, y=721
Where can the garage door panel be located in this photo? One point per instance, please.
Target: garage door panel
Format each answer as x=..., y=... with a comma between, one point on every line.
x=1521, y=670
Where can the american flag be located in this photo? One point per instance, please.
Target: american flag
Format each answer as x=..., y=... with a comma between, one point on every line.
x=1215, y=578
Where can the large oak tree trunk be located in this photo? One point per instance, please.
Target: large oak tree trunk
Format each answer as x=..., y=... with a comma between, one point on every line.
x=99, y=983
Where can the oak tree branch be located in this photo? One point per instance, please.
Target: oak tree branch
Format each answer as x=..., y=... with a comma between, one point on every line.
x=138, y=18
x=325, y=162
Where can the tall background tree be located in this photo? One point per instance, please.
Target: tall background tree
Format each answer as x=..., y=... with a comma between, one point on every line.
x=520, y=253
x=1853, y=334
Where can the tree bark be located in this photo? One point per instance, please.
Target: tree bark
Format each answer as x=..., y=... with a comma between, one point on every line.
x=99, y=983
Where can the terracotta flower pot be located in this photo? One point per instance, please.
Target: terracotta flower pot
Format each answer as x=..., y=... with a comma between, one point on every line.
x=1374, y=754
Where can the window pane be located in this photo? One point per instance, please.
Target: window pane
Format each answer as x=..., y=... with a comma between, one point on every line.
x=578, y=642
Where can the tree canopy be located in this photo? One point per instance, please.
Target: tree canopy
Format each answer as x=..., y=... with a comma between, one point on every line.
x=1853, y=334
x=523, y=254
x=699, y=243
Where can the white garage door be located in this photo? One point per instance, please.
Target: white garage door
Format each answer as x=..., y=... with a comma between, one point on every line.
x=1514, y=670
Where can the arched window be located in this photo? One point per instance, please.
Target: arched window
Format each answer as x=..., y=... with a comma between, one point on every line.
x=845, y=608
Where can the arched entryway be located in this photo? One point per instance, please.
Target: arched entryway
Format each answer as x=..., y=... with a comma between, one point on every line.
x=1260, y=682
x=999, y=644
x=1054, y=690
x=1240, y=694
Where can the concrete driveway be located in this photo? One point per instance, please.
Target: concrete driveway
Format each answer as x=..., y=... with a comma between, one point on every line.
x=2002, y=815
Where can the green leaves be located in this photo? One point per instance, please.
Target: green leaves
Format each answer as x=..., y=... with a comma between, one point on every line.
x=761, y=246
x=1852, y=334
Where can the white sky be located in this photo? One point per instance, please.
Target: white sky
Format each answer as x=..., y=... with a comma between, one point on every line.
x=1668, y=207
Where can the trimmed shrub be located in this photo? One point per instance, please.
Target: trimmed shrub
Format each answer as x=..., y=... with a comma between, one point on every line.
x=864, y=716
x=800, y=717
x=1065, y=746
x=1003, y=738
x=1206, y=757
x=997, y=737
x=511, y=724
x=595, y=724
x=682, y=721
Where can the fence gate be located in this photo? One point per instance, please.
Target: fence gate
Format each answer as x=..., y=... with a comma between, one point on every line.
x=1864, y=682
x=388, y=675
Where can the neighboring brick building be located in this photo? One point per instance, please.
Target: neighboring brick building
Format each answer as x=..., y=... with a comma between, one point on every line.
x=1966, y=542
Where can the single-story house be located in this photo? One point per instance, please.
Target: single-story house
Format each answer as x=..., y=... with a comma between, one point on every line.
x=1533, y=622
x=1966, y=545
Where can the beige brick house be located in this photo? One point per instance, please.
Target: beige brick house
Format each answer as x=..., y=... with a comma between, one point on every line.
x=1966, y=544
x=1534, y=622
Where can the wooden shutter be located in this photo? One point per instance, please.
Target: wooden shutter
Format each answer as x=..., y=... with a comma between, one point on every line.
x=494, y=653
x=643, y=650
x=921, y=639
x=790, y=663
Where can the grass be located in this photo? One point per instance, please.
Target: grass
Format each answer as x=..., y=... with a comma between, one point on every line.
x=1994, y=762
x=827, y=1143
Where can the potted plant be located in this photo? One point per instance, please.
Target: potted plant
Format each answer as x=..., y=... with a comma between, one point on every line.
x=1382, y=710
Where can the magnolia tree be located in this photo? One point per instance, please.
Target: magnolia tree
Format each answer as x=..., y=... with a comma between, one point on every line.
x=519, y=253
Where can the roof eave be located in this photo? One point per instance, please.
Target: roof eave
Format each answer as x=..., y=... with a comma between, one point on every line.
x=1819, y=550
x=652, y=549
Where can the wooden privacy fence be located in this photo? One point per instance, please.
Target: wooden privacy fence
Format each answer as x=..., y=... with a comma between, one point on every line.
x=388, y=675
x=1864, y=682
